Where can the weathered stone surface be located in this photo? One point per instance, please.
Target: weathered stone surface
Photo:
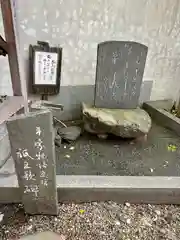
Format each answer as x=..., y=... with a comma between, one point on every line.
x=119, y=73
x=126, y=123
x=70, y=133
x=44, y=236
x=32, y=146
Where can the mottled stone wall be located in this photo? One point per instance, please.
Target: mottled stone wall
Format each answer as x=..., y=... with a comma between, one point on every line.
x=79, y=25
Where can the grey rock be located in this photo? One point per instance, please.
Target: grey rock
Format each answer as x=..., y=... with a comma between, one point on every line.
x=58, y=142
x=126, y=123
x=57, y=138
x=70, y=133
x=102, y=136
x=56, y=135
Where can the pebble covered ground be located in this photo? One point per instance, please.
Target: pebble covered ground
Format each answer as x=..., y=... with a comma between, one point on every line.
x=95, y=221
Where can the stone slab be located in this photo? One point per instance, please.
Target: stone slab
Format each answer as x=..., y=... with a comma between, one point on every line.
x=121, y=189
x=119, y=73
x=32, y=143
x=166, y=104
x=162, y=116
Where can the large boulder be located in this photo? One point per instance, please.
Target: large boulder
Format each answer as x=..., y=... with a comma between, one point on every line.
x=126, y=123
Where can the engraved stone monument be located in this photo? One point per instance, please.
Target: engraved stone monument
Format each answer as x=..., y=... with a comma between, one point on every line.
x=119, y=73
x=32, y=144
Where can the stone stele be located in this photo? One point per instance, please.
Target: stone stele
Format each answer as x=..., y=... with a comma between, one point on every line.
x=125, y=123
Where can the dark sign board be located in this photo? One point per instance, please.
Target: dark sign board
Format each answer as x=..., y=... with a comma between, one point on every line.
x=45, y=69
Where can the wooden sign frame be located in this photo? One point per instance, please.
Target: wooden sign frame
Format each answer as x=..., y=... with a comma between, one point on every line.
x=44, y=88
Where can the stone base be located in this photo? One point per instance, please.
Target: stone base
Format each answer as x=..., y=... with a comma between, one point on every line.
x=160, y=113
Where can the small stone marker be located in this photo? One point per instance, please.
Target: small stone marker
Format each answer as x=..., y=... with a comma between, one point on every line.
x=32, y=143
x=119, y=73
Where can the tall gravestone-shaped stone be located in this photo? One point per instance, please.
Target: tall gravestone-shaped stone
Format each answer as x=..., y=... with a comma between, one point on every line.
x=32, y=143
x=119, y=73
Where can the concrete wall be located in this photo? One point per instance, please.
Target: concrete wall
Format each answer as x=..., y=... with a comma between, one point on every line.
x=79, y=25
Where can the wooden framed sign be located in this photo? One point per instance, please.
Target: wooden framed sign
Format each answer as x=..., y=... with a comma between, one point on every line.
x=45, y=69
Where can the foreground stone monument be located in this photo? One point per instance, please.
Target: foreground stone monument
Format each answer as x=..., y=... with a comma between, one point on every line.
x=119, y=73
x=32, y=143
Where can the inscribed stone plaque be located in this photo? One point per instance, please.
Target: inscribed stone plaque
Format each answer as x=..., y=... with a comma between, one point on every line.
x=32, y=146
x=119, y=73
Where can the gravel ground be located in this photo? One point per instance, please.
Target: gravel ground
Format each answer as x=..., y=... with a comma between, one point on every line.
x=104, y=220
